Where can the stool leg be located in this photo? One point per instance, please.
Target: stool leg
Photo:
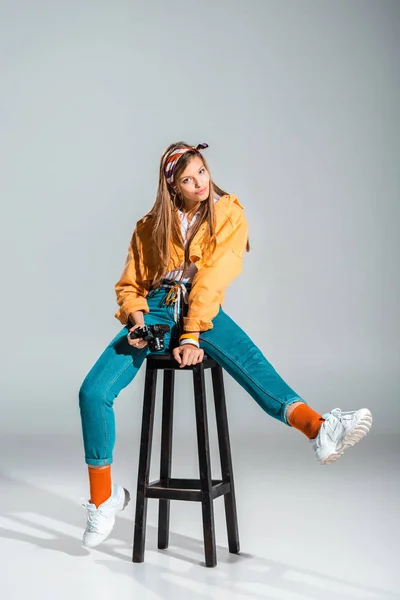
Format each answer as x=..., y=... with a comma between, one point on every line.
x=144, y=464
x=204, y=465
x=166, y=454
x=226, y=458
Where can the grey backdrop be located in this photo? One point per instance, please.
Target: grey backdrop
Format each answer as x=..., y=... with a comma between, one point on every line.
x=299, y=102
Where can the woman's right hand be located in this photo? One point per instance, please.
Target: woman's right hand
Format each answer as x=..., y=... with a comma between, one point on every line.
x=137, y=342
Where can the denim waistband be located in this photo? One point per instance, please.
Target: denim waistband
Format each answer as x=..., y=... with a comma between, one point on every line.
x=169, y=283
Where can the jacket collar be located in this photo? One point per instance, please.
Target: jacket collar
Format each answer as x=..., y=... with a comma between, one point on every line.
x=228, y=200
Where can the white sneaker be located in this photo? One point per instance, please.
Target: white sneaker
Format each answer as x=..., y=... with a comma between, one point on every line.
x=339, y=431
x=101, y=520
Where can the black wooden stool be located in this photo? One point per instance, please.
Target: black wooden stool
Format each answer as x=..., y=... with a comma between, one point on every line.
x=203, y=490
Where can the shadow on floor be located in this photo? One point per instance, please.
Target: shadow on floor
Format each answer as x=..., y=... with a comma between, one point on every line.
x=233, y=574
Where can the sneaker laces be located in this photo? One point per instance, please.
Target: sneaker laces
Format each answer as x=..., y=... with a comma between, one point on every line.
x=337, y=413
x=93, y=514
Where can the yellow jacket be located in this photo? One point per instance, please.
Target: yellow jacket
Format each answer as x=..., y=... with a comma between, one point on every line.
x=212, y=278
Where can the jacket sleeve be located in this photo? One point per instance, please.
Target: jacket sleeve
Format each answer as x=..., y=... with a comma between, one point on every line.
x=132, y=287
x=215, y=275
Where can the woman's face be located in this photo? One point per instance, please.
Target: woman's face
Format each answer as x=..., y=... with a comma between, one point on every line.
x=194, y=181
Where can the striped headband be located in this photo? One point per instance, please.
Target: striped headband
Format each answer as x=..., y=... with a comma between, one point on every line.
x=172, y=160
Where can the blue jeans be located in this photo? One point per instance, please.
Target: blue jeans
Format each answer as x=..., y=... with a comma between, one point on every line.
x=226, y=343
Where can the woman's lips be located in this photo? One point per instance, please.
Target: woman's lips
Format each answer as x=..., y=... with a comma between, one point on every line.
x=201, y=191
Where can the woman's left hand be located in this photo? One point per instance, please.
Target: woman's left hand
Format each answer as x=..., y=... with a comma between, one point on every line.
x=188, y=354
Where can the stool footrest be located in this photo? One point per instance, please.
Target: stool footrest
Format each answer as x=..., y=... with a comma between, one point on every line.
x=185, y=489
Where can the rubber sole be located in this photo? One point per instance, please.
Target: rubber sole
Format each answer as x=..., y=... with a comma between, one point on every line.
x=360, y=431
x=353, y=437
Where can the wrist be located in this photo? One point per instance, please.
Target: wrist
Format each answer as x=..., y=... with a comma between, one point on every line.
x=191, y=337
x=137, y=318
x=189, y=341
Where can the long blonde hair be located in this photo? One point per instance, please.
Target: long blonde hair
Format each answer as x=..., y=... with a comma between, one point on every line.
x=166, y=225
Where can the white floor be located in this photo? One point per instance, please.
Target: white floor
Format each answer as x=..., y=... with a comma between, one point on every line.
x=307, y=532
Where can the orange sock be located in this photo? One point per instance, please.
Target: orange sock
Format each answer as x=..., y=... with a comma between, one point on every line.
x=306, y=420
x=100, y=484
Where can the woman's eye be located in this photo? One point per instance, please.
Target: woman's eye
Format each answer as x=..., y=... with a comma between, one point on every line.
x=202, y=170
x=185, y=181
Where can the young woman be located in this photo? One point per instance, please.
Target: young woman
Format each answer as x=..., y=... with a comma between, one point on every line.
x=183, y=255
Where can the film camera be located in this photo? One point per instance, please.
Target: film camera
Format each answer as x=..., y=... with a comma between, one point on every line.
x=153, y=334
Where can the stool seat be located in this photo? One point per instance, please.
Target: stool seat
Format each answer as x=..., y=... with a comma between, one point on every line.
x=205, y=489
x=165, y=360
